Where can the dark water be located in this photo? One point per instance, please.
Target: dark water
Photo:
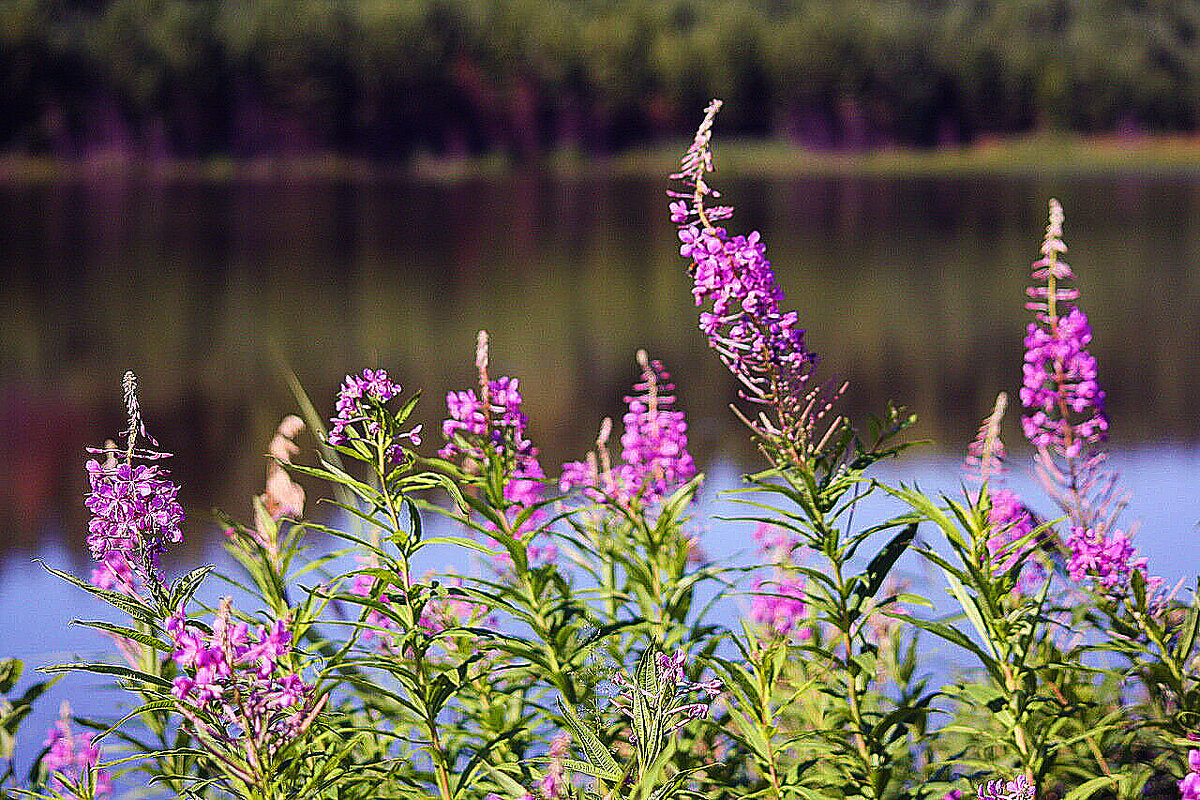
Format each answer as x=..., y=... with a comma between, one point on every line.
x=911, y=289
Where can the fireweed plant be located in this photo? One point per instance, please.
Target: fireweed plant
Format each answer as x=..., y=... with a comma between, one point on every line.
x=577, y=650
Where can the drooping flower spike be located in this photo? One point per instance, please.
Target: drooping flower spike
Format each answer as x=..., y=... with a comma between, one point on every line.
x=760, y=343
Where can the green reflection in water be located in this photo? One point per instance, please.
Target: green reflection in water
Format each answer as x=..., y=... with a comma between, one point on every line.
x=910, y=288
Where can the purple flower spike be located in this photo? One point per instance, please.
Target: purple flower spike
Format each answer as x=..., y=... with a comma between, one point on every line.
x=654, y=456
x=135, y=511
x=1065, y=403
x=488, y=427
x=759, y=342
x=1065, y=421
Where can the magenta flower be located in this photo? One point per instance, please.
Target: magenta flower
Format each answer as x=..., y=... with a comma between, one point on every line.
x=71, y=759
x=654, y=456
x=354, y=400
x=676, y=702
x=1064, y=401
x=1189, y=787
x=1107, y=557
x=779, y=606
x=1010, y=522
x=244, y=679
x=1065, y=420
x=486, y=430
x=442, y=613
x=115, y=574
x=362, y=585
x=759, y=342
x=135, y=509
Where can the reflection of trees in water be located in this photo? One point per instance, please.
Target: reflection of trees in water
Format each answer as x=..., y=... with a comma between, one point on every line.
x=911, y=289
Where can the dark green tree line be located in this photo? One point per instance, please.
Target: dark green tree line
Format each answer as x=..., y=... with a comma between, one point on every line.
x=382, y=78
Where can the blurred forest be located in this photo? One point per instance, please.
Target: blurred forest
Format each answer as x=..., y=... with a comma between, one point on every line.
x=389, y=78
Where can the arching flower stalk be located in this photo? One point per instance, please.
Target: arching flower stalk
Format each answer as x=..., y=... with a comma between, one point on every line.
x=762, y=345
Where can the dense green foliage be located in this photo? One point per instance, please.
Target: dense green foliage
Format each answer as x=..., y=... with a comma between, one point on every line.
x=383, y=79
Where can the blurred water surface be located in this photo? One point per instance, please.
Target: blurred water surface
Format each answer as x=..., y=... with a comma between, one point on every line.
x=912, y=289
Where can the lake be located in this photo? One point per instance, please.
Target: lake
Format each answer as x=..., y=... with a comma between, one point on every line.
x=911, y=289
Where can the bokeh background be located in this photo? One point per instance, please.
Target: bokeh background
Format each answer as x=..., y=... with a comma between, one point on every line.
x=215, y=192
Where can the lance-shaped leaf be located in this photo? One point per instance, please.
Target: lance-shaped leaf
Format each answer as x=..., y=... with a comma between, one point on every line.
x=592, y=747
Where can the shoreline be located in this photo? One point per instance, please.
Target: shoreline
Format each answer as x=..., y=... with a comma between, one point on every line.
x=1033, y=155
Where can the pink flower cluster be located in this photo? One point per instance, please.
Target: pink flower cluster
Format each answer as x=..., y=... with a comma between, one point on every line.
x=778, y=603
x=759, y=342
x=1060, y=390
x=451, y=611
x=71, y=759
x=353, y=400
x=1108, y=557
x=1189, y=787
x=1066, y=422
x=492, y=426
x=1059, y=373
x=476, y=427
x=1010, y=522
x=440, y=613
x=654, y=456
x=240, y=677
x=135, y=513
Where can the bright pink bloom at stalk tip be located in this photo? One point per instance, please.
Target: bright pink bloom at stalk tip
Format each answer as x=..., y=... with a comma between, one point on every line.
x=654, y=457
x=758, y=341
x=135, y=511
x=351, y=406
x=489, y=427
